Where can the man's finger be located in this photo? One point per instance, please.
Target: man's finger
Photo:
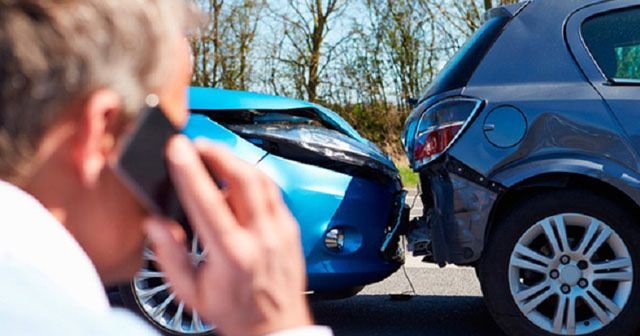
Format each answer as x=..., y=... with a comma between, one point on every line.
x=173, y=259
x=244, y=184
x=203, y=201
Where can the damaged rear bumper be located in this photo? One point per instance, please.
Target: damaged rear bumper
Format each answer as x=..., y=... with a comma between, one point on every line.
x=457, y=205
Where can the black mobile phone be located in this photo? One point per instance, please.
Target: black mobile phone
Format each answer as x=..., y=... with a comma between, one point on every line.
x=141, y=164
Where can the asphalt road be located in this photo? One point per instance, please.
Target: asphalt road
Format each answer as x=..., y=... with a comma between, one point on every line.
x=446, y=302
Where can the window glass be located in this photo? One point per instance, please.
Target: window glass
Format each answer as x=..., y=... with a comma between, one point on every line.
x=614, y=42
x=628, y=62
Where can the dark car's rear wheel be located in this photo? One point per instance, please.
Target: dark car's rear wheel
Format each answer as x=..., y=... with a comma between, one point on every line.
x=150, y=295
x=564, y=263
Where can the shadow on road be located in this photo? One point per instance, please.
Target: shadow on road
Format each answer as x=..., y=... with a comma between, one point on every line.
x=422, y=315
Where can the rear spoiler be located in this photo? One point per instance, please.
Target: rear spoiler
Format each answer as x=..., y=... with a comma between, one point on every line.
x=506, y=11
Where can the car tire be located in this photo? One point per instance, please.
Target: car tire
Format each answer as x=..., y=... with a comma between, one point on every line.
x=131, y=302
x=150, y=296
x=526, y=301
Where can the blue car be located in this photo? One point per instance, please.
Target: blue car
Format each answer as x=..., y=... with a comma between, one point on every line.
x=344, y=191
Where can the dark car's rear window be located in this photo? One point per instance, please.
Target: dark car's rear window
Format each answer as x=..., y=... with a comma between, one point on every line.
x=613, y=39
x=458, y=71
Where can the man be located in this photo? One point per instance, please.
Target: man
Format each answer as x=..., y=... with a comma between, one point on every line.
x=73, y=74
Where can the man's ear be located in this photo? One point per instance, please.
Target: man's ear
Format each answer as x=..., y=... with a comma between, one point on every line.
x=95, y=139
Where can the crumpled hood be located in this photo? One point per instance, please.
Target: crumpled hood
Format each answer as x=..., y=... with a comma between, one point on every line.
x=320, y=146
x=229, y=100
x=303, y=128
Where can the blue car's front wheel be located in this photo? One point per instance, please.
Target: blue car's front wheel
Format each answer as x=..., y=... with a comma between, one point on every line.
x=151, y=297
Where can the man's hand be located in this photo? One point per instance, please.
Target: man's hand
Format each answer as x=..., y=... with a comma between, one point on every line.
x=253, y=280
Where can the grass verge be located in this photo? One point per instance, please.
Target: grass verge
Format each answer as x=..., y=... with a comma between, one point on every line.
x=409, y=178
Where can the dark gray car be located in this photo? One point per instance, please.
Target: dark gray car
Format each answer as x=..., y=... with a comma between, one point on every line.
x=528, y=149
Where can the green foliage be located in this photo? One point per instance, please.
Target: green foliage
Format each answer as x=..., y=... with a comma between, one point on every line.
x=628, y=64
x=409, y=178
x=380, y=123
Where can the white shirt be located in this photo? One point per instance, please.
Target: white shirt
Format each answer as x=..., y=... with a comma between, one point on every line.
x=48, y=284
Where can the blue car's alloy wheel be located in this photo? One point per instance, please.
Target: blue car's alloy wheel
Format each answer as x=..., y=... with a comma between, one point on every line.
x=150, y=295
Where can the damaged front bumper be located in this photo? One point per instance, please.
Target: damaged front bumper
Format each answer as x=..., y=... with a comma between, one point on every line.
x=457, y=205
x=398, y=224
x=340, y=184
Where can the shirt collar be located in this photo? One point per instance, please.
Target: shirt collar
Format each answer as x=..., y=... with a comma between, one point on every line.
x=34, y=240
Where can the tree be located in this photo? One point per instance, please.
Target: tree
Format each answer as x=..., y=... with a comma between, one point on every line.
x=408, y=43
x=206, y=45
x=243, y=21
x=224, y=46
x=306, y=26
x=362, y=71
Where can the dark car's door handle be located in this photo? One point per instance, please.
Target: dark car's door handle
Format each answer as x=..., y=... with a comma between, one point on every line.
x=489, y=127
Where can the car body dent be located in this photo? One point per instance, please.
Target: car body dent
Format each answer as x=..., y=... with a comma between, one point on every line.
x=586, y=127
x=459, y=210
x=607, y=171
x=472, y=207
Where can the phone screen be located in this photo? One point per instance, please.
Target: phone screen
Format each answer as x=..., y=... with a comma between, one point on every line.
x=142, y=165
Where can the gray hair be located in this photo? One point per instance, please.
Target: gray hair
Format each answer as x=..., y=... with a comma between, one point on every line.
x=54, y=52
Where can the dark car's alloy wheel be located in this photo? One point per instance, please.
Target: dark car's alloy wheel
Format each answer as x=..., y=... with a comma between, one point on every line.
x=150, y=295
x=566, y=264
x=572, y=278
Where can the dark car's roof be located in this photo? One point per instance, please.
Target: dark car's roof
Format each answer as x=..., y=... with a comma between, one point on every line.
x=570, y=5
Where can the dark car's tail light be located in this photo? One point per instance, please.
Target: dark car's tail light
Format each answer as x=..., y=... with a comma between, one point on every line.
x=440, y=126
